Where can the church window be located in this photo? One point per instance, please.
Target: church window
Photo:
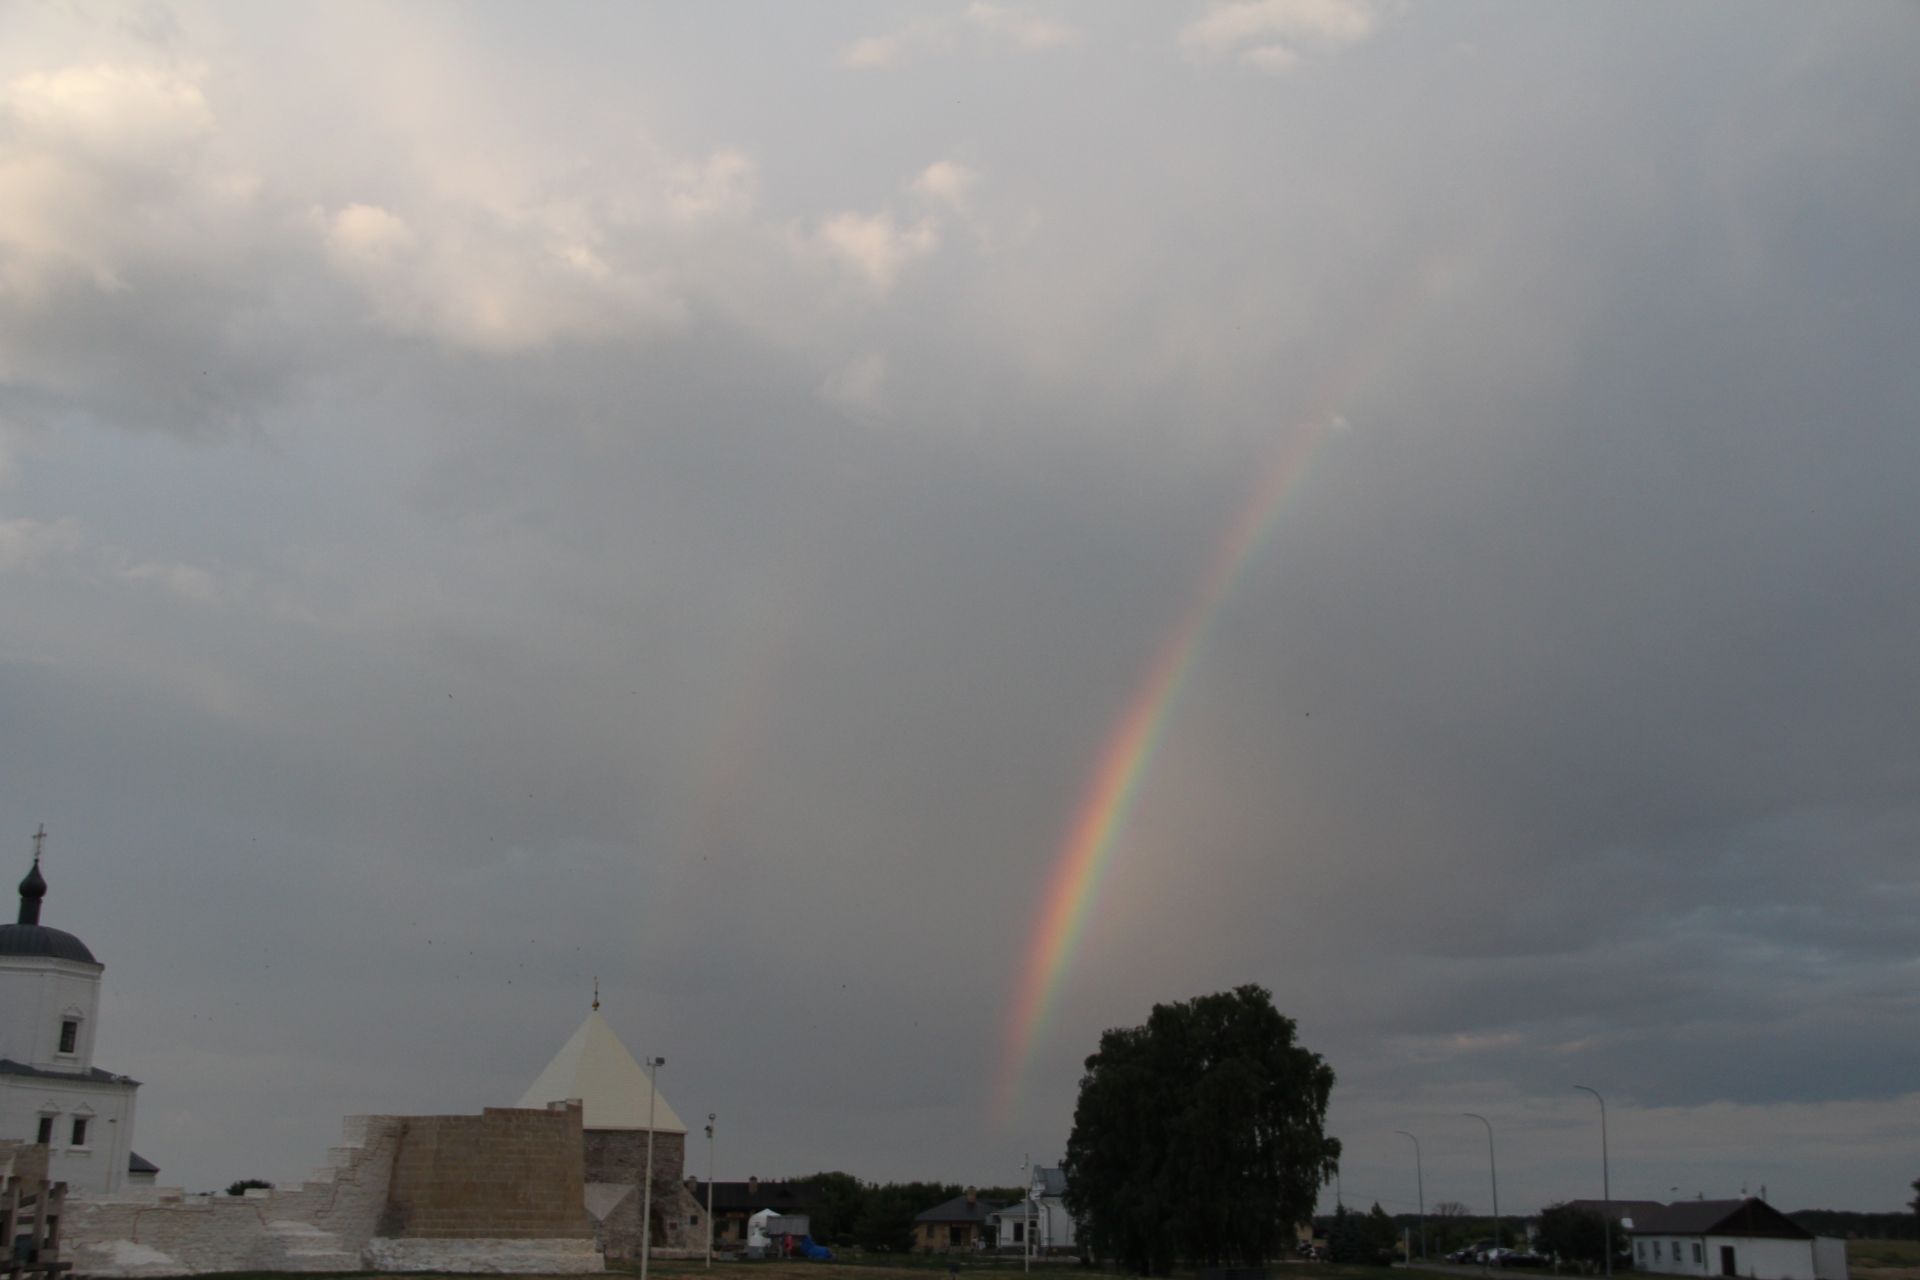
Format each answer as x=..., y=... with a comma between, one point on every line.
x=46, y=1131
x=79, y=1131
x=69, y=1034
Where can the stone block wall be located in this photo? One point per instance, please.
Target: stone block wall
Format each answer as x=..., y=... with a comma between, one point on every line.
x=619, y=1156
x=323, y=1224
x=451, y=1171
x=505, y=1174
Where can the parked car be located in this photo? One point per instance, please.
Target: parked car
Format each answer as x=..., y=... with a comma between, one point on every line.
x=1463, y=1257
x=1522, y=1258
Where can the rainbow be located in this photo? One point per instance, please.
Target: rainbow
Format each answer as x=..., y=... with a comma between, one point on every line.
x=1108, y=799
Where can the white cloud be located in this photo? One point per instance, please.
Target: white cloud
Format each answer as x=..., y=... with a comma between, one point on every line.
x=1269, y=34
x=368, y=233
x=947, y=182
x=1271, y=57
x=1024, y=31
x=991, y=25
x=725, y=184
x=876, y=246
x=97, y=160
x=126, y=111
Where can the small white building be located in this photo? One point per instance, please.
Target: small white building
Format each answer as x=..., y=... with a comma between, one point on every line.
x=1741, y=1238
x=1041, y=1218
x=50, y=1091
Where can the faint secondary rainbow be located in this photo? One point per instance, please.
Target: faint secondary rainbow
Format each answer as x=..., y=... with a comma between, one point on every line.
x=1108, y=799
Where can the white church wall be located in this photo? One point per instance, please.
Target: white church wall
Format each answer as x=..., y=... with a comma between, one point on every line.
x=35, y=993
x=98, y=1164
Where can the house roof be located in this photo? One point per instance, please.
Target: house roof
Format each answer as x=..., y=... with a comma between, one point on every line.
x=1618, y=1208
x=1749, y=1217
x=1051, y=1182
x=732, y=1197
x=959, y=1209
x=92, y=1075
x=594, y=1067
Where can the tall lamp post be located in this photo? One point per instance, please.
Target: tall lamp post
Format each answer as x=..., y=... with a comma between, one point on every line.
x=711, y=1117
x=1420, y=1184
x=1026, y=1251
x=1606, y=1178
x=1493, y=1171
x=646, y=1187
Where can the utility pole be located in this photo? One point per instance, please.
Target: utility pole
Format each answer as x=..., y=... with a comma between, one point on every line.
x=1606, y=1178
x=1026, y=1252
x=646, y=1187
x=711, y=1117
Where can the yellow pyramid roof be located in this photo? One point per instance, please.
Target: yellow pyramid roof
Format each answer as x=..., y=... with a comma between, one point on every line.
x=596, y=1068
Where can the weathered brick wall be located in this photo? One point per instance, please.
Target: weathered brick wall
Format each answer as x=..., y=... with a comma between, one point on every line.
x=620, y=1156
x=505, y=1174
x=511, y=1179
x=320, y=1225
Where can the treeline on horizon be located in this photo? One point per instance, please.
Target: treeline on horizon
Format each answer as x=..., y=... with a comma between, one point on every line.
x=1461, y=1230
x=878, y=1216
x=1859, y=1226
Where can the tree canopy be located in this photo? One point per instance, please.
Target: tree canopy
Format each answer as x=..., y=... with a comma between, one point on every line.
x=1574, y=1236
x=1200, y=1136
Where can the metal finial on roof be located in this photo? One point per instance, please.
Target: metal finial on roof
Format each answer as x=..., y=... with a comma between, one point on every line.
x=596, y=993
x=34, y=887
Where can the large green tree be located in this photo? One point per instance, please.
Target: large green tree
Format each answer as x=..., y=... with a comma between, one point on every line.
x=1574, y=1236
x=1199, y=1136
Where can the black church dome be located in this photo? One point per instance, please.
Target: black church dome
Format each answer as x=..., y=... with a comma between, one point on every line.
x=38, y=940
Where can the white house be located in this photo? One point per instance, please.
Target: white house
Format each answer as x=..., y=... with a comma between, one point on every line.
x=50, y=1091
x=1043, y=1214
x=1745, y=1238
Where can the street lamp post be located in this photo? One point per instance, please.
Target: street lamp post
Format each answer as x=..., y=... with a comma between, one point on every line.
x=1026, y=1252
x=1493, y=1171
x=1420, y=1184
x=646, y=1186
x=711, y=1117
x=1606, y=1177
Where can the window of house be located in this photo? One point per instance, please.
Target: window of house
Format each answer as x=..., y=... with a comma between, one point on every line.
x=1699, y=1259
x=1640, y=1250
x=956, y=1235
x=79, y=1131
x=1656, y=1251
x=69, y=1034
x=1676, y=1249
x=1019, y=1233
x=46, y=1131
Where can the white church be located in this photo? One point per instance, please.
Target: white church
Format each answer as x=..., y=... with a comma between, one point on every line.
x=50, y=1091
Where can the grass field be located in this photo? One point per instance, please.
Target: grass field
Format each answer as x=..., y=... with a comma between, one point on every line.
x=974, y=1269
x=1884, y=1259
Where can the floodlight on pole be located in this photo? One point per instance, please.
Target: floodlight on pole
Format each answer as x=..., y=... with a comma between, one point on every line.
x=1026, y=1250
x=711, y=1117
x=1606, y=1177
x=646, y=1186
x=1420, y=1185
x=1493, y=1171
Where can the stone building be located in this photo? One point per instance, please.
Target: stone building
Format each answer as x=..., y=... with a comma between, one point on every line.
x=50, y=1091
x=619, y=1105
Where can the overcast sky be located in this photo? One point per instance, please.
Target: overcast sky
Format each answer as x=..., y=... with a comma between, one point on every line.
x=497, y=495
